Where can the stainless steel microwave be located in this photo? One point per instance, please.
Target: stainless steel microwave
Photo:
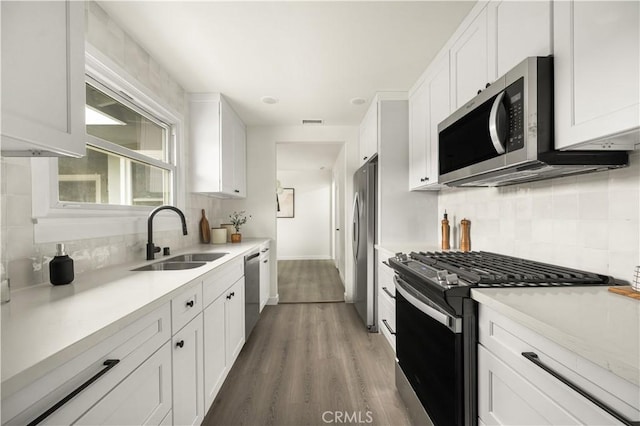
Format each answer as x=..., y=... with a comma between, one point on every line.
x=504, y=135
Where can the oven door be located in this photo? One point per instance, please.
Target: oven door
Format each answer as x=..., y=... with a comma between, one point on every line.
x=429, y=348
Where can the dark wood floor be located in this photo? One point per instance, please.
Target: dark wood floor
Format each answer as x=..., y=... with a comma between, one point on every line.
x=307, y=364
x=302, y=281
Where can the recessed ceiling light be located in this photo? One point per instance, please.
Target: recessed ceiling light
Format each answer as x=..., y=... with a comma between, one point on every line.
x=269, y=100
x=358, y=101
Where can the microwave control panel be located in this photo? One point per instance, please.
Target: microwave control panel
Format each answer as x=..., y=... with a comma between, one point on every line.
x=514, y=95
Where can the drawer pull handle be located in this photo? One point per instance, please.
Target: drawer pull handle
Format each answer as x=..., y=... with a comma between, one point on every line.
x=386, y=290
x=533, y=357
x=386, y=324
x=265, y=261
x=190, y=303
x=180, y=344
x=109, y=364
x=230, y=295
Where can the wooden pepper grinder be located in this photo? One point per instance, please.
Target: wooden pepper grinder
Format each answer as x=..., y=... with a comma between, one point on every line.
x=445, y=232
x=465, y=235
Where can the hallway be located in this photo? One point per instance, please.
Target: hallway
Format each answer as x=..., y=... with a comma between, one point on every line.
x=303, y=281
x=307, y=364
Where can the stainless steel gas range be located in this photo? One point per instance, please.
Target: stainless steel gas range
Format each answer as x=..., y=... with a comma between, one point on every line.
x=436, y=324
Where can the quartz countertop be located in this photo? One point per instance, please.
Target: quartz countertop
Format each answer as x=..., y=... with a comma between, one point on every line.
x=44, y=326
x=600, y=326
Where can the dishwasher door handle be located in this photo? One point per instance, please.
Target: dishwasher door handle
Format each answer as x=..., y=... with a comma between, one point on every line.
x=251, y=256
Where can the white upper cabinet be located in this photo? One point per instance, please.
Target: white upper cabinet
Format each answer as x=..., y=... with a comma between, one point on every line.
x=517, y=30
x=368, y=145
x=470, y=62
x=43, y=78
x=429, y=104
x=218, y=147
x=597, y=88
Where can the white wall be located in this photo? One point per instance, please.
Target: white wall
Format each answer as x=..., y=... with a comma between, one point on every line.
x=308, y=234
x=589, y=222
x=261, y=184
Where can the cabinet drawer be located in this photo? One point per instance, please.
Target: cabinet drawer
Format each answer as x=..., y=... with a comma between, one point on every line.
x=143, y=398
x=508, y=340
x=220, y=279
x=131, y=346
x=185, y=307
x=387, y=318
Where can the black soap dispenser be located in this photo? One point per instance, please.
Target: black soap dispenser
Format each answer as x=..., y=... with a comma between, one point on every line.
x=61, y=267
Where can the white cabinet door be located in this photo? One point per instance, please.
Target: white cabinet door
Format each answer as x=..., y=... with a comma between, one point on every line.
x=369, y=133
x=218, y=149
x=506, y=398
x=234, y=319
x=188, y=374
x=142, y=398
x=517, y=30
x=265, y=275
x=439, y=109
x=215, y=365
x=469, y=62
x=428, y=106
x=418, y=119
x=596, y=67
x=43, y=78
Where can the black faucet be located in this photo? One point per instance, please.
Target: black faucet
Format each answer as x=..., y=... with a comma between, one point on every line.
x=152, y=249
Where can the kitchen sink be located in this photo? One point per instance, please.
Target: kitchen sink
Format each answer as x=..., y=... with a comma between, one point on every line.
x=170, y=266
x=183, y=261
x=196, y=257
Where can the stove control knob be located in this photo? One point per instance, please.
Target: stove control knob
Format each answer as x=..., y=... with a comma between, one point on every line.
x=452, y=279
x=442, y=276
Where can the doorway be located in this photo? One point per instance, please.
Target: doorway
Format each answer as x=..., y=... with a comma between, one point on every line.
x=308, y=244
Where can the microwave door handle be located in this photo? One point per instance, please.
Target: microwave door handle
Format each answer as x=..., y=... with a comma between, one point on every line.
x=493, y=124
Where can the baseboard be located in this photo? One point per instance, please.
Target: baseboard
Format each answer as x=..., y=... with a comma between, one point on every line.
x=273, y=300
x=346, y=299
x=306, y=257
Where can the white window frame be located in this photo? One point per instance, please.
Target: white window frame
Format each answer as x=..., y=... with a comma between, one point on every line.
x=63, y=221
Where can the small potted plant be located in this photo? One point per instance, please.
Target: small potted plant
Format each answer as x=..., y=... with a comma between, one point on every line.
x=237, y=219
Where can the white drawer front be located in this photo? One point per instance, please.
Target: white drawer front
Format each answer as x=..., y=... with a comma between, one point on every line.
x=508, y=340
x=220, y=279
x=186, y=306
x=131, y=346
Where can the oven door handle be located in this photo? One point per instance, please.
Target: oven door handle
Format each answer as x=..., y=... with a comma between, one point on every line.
x=452, y=323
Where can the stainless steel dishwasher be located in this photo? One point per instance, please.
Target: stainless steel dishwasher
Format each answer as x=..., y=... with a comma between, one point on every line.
x=251, y=291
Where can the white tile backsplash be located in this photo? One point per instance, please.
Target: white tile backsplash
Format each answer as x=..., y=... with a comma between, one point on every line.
x=588, y=221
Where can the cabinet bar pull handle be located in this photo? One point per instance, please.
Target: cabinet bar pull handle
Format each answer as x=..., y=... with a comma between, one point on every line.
x=237, y=191
x=386, y=290
x=190, y=303
x=109, y=364
x=386, y=324
x=265, y=261
x=180, y=344
x=533, y=357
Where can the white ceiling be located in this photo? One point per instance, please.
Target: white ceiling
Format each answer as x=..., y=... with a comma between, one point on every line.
x=306, y=156
x=314, y=57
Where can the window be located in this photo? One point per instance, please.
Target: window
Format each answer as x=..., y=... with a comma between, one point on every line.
x=130, y=158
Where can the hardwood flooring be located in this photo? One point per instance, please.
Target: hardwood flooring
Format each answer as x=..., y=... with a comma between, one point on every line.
x=301, y=281
x=310, y=364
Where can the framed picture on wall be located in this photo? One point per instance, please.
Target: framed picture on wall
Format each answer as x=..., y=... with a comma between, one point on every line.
x=286, y=203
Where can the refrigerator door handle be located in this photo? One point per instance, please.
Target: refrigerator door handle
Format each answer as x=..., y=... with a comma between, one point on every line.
x=356, y=225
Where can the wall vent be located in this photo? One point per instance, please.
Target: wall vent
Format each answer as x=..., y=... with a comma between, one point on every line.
x=311, y=122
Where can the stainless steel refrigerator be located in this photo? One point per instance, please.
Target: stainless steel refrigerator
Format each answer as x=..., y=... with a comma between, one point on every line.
x=363, y=239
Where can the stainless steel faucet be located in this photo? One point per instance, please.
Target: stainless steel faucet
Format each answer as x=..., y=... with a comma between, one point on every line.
x=151, y=248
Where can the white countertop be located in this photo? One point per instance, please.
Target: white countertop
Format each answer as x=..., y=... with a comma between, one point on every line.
x=601, y=326
x=44, y=326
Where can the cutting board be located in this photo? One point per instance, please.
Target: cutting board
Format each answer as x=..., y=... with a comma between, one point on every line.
x=205, y=231
x=626, y=291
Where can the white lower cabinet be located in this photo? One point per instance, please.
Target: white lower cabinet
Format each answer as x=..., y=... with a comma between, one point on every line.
x=265, y=275
x=134, y=387
x=188, y=374
x=513, y=390
x=386, y=299
x=223, y=337
x=143, y=398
